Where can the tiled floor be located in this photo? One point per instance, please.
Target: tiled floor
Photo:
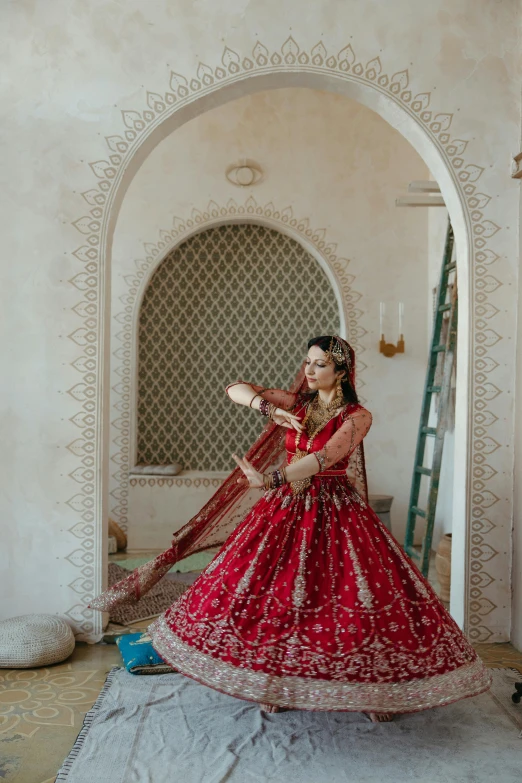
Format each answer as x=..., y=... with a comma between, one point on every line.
x=42, y=710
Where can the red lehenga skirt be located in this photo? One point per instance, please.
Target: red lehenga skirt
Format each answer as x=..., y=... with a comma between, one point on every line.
x=312, y=604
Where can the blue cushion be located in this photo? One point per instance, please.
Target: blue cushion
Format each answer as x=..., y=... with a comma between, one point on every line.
x=139, y=656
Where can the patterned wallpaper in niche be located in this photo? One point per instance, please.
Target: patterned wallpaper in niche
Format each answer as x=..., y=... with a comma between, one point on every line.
x=238, y=301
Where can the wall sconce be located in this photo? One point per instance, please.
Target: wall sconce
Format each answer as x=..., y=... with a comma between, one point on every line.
x=389, y=349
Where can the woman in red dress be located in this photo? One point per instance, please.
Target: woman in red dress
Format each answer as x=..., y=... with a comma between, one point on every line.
x=311, y=603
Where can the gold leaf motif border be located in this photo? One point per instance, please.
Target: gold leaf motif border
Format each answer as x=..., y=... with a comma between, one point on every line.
x=153, y=481
x=483, y=545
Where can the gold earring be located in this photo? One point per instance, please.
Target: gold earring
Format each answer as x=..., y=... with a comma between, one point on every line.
x=339, y=394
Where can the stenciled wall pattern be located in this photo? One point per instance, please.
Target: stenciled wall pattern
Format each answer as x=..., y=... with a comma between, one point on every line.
x=236, y=301
x=368, y=73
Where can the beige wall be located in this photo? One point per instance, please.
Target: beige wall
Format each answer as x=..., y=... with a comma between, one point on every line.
x=516, y=584
x=73, y=67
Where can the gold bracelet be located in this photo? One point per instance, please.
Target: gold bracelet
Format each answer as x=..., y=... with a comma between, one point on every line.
x=271, y=410
x=252, y=400
x=275, y=479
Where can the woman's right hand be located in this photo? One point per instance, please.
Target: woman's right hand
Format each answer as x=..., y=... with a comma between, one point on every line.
x=287, y=419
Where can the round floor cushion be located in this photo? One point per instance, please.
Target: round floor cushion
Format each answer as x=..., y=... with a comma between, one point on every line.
x=34, y=640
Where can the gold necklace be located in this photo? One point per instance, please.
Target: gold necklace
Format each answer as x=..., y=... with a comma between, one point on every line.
x=318, y=414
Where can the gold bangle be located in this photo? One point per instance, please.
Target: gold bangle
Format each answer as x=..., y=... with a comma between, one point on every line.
x=271, y=410
x=252, y=400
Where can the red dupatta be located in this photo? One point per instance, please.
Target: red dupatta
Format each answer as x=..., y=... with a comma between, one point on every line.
x=227, y=507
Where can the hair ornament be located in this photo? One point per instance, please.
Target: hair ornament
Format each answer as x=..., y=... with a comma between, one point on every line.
x=335, y=352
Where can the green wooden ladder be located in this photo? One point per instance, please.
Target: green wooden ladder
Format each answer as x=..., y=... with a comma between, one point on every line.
x=446, y=302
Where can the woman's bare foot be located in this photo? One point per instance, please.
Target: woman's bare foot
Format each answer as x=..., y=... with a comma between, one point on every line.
x=269, y=707
x=380, y=717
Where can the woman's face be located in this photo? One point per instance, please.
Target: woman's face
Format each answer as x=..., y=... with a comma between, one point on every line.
x=320, y=372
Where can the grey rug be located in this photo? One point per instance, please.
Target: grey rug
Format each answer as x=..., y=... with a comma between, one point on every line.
x=170, y=728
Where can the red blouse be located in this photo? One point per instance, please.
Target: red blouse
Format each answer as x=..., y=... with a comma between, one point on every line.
x=334, y=443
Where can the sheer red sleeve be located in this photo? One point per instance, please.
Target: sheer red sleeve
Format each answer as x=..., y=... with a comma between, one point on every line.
x=279, y=397
x=346, y=438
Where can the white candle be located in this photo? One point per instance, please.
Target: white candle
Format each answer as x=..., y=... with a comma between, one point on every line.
x=401, y=316
x=381, y=317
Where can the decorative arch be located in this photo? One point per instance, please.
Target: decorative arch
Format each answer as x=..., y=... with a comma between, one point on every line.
x=407, y=108
x=124, y=358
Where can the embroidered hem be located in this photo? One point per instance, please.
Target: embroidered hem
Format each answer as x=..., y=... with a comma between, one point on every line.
x=307, y=693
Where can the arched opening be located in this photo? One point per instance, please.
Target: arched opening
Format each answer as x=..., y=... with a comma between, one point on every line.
x=407, y=124
x=195, y=333
x=194, y=311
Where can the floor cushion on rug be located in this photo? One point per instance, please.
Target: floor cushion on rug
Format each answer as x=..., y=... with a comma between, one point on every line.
x=172, y=728
x=155, y=602
x=33, y=640
x=139, y=656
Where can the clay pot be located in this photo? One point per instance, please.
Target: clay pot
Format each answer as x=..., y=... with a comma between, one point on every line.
x=443, y=566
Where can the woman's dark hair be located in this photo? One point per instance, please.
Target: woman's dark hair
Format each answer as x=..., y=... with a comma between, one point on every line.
x=349, y=392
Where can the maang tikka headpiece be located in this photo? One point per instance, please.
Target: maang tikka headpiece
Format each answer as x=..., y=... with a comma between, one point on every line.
x=335, y=352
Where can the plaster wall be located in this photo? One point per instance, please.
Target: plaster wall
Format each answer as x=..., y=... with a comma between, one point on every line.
x=516, y=584
x=73, y=68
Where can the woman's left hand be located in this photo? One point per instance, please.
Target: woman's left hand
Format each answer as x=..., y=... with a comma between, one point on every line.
x=287, y=419
x=252, y=477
